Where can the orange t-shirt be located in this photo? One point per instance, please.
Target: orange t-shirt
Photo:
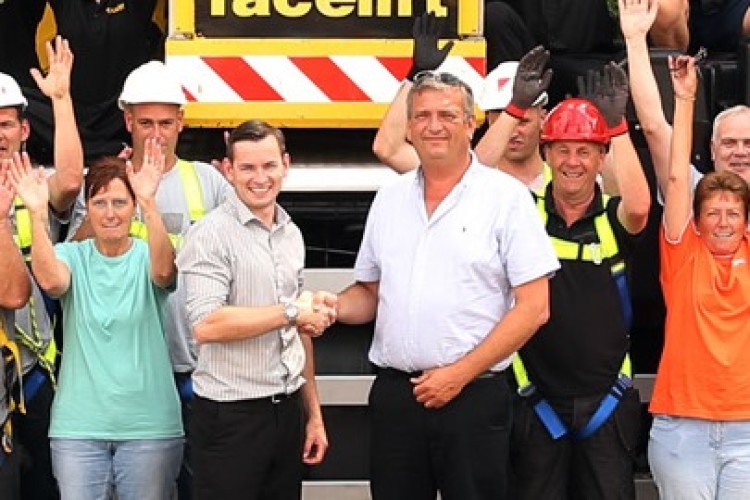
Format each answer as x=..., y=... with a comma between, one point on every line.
x=704, y=370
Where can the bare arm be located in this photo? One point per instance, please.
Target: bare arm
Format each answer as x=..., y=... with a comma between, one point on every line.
x=358, y=303
x=229, y=323
x=491, y=147
x=52, y=275
x=316, y=440
x=677, y=196
x=145, y=183
x=390, y=144
x=15, y=286
x=65, y=183
x=636, y=18
x=631, y=181
x=438, y=387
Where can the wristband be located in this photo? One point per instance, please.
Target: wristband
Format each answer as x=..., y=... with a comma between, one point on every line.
x=515, y=111
x=619, y=129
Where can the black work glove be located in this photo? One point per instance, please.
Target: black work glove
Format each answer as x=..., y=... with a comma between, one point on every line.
x=531, y=80
x=609, y=91
x=426, y=55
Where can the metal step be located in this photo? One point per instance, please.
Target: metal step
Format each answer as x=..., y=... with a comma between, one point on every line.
x=360, y=490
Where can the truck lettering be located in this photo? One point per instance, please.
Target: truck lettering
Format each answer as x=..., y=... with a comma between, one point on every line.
x=326, y=8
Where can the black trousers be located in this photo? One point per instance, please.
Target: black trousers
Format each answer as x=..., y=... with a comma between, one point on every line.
x=460, y=449
x=247, y=450
x=597, y=468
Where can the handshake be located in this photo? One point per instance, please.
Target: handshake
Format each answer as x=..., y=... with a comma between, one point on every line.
x=317, y=311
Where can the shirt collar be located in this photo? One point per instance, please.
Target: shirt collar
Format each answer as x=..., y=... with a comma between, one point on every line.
x=245, y=215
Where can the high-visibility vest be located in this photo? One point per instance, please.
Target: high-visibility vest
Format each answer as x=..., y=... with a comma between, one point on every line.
x=605, y=252
x=191, y=186
x=41, y=344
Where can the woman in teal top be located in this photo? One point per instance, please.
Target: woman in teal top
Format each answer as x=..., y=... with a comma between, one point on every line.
x=115, y=418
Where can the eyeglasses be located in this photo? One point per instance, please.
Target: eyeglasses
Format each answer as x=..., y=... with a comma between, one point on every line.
x=438, y=76
x=427, y=77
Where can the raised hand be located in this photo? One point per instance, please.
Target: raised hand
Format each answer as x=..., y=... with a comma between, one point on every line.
x=531, y=80
x=684, y=76
x=29, y=183
x=609, y=91
x=146, y=180
x=426, y=55
x=7, y=192
x=637, y=17
x=56, y=84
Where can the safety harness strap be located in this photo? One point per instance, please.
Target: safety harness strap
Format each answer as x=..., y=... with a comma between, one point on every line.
x=606, y=250
x=11, y=355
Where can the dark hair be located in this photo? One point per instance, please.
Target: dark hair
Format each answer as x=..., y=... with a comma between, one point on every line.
x=720, y=182
x=102, y=172
x=255, y=131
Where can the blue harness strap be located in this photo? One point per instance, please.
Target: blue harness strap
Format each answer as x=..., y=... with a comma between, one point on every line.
x=604, y=251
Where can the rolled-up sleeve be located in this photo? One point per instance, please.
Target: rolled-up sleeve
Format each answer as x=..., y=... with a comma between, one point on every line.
x=206, y=273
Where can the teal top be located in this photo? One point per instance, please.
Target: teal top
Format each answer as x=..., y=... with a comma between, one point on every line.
x=115, y=380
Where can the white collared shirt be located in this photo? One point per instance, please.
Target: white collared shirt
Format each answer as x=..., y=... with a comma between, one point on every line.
x=446, y=281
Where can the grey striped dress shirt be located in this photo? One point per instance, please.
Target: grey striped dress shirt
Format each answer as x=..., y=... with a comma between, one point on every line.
x=231, y=259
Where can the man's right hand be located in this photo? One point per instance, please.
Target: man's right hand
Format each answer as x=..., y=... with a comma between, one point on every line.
x=426, y=55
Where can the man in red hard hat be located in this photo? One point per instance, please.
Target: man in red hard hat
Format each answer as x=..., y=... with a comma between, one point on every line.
x=576, y=418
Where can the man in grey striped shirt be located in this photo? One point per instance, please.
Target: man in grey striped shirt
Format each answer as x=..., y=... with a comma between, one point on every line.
x=254, y=382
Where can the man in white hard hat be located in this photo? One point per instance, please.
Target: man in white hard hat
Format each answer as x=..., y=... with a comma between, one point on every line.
x=33, y=327
x=151, y=101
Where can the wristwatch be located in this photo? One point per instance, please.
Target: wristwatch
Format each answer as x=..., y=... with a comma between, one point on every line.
x=291, y=311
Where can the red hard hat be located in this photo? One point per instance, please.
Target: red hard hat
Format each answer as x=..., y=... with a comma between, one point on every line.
x=575, y=120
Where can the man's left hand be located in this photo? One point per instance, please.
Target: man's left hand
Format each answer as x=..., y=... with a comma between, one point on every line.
x=437, y=387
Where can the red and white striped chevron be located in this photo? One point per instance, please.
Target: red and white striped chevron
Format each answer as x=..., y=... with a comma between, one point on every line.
x=360, y=78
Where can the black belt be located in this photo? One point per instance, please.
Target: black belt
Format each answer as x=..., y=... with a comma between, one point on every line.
x=273, y=399
x=392, y=372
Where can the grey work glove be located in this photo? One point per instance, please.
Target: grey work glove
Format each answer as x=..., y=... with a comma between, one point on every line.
x=531, y=80
x=426, y=55
x=609, y=91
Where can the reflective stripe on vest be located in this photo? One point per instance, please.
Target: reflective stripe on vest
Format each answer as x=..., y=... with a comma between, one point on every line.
x=191, y=186
x=605, y=250
x=546, y=179
x=22, y=236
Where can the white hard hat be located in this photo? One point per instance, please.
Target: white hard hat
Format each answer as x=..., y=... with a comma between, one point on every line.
x=498, y=88
x=151, y=82
x=10, y=93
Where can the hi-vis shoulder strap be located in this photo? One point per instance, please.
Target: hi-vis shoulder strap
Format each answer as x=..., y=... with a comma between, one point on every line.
x=191, y=186
x=546, y=178
x=606, y=251
x=11, y=356
x=22, y=236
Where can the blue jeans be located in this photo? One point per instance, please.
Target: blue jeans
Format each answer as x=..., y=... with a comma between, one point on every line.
x=139, y=469
x=700, y=459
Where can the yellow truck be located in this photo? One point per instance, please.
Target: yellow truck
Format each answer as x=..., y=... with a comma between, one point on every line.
x=307, y=63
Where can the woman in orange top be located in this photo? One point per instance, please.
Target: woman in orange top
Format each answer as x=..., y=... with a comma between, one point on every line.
x=700, y=439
